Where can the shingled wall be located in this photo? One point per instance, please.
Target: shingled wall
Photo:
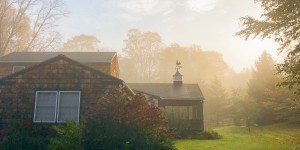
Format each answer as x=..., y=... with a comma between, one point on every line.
x=17, y=91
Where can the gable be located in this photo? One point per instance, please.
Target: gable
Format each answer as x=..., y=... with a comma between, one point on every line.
x=59, y=67
x=18, y=91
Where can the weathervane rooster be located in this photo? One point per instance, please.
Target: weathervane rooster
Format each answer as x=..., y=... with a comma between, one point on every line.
x=178, y=65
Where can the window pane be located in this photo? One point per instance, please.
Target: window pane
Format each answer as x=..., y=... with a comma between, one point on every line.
x=45, y=107
x=17, y=68
x=68, y=106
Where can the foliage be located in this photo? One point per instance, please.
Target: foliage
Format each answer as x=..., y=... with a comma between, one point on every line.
x=82, y=43
x=243, y=109
x=111, y=134
x=125, y=121
x=207, y=134
x=204, y=64
x=140, y=51
x=264, y=92
x=280, y=22
x=29, y=25
x=68, y=137
x=21, y=136
x=216, y=98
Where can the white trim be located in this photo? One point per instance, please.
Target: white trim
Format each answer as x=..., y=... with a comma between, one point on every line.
x=56, y=106
x=36, y=95
x=79, y=94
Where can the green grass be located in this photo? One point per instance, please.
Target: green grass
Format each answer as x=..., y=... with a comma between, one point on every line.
x=275, y=137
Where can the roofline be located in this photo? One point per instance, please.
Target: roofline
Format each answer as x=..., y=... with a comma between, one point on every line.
x=167, y=83
x=147, y=93
x=190, y=99
x=115, y=55
x=9, y=61
x=52, y=60
x=130, y=89
x=45, y=60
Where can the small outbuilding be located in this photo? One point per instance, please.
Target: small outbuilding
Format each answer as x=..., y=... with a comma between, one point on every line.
x=181, y=103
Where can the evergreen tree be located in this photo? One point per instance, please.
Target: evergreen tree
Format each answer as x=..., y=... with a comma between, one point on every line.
x=280, y=22
x=216, y=103
x=263, y=89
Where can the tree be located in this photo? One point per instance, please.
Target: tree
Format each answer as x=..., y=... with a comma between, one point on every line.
x=242, y=109
x=140, y=54
x=28, y=25
x=263, y=90
x=279, y=21
x=82, y=43
x=198, y=65
x=217, y=103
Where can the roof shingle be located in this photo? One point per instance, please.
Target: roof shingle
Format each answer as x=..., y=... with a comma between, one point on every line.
x=169, y=91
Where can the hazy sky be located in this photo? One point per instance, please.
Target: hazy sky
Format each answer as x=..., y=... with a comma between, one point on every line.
x=211, y=24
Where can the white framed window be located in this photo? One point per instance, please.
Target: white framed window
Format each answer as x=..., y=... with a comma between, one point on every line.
x=56, y=106
x=68, y=106
x=17, y=68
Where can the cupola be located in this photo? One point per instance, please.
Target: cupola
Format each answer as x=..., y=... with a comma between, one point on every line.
x=177, y=77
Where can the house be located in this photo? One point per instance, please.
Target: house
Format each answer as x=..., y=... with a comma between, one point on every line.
x=106, y=62
x=51, y=87
x=181, y=103
x=52, y=91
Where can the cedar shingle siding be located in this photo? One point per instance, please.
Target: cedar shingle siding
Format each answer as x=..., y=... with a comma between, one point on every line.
x=106, y=62
x=17, y=96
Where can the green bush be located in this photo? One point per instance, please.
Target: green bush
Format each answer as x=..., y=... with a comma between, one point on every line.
x=110, y=134
x=207, y=135
x=116, y=121
x=123, y=121
x=22, y=137
x=68, y=137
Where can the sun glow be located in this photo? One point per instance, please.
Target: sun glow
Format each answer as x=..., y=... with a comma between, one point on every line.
x=201, y=5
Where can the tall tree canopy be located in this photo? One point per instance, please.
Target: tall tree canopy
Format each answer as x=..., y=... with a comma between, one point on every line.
x=271, y=101
x=280, y=22
x=140, y=53
x=82, y=43
x=198, y=65
x=29, y=25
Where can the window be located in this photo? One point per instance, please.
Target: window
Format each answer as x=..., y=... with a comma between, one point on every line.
x=56, y=106
x=17, y=68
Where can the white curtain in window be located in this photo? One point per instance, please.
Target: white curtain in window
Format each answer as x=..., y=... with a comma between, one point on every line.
x=45, y=107
x=68, y=106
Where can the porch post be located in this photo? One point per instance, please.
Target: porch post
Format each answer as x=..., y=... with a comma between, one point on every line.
x=201, y=116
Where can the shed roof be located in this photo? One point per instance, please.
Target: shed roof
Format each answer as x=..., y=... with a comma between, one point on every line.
x=82, y=57
x=169, y=91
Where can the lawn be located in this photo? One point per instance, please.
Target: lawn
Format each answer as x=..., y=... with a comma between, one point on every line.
x=275, y=137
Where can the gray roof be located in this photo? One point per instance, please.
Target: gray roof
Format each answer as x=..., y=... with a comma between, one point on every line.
x=169, y=91
x=82, y=57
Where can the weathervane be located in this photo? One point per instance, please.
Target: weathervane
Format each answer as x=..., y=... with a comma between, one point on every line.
x=178, y=65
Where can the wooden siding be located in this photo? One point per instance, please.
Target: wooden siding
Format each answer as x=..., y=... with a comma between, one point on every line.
x=111, y=69
x=7, y=68
x=17, y=93
x=114, y=67
x=103, y=67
